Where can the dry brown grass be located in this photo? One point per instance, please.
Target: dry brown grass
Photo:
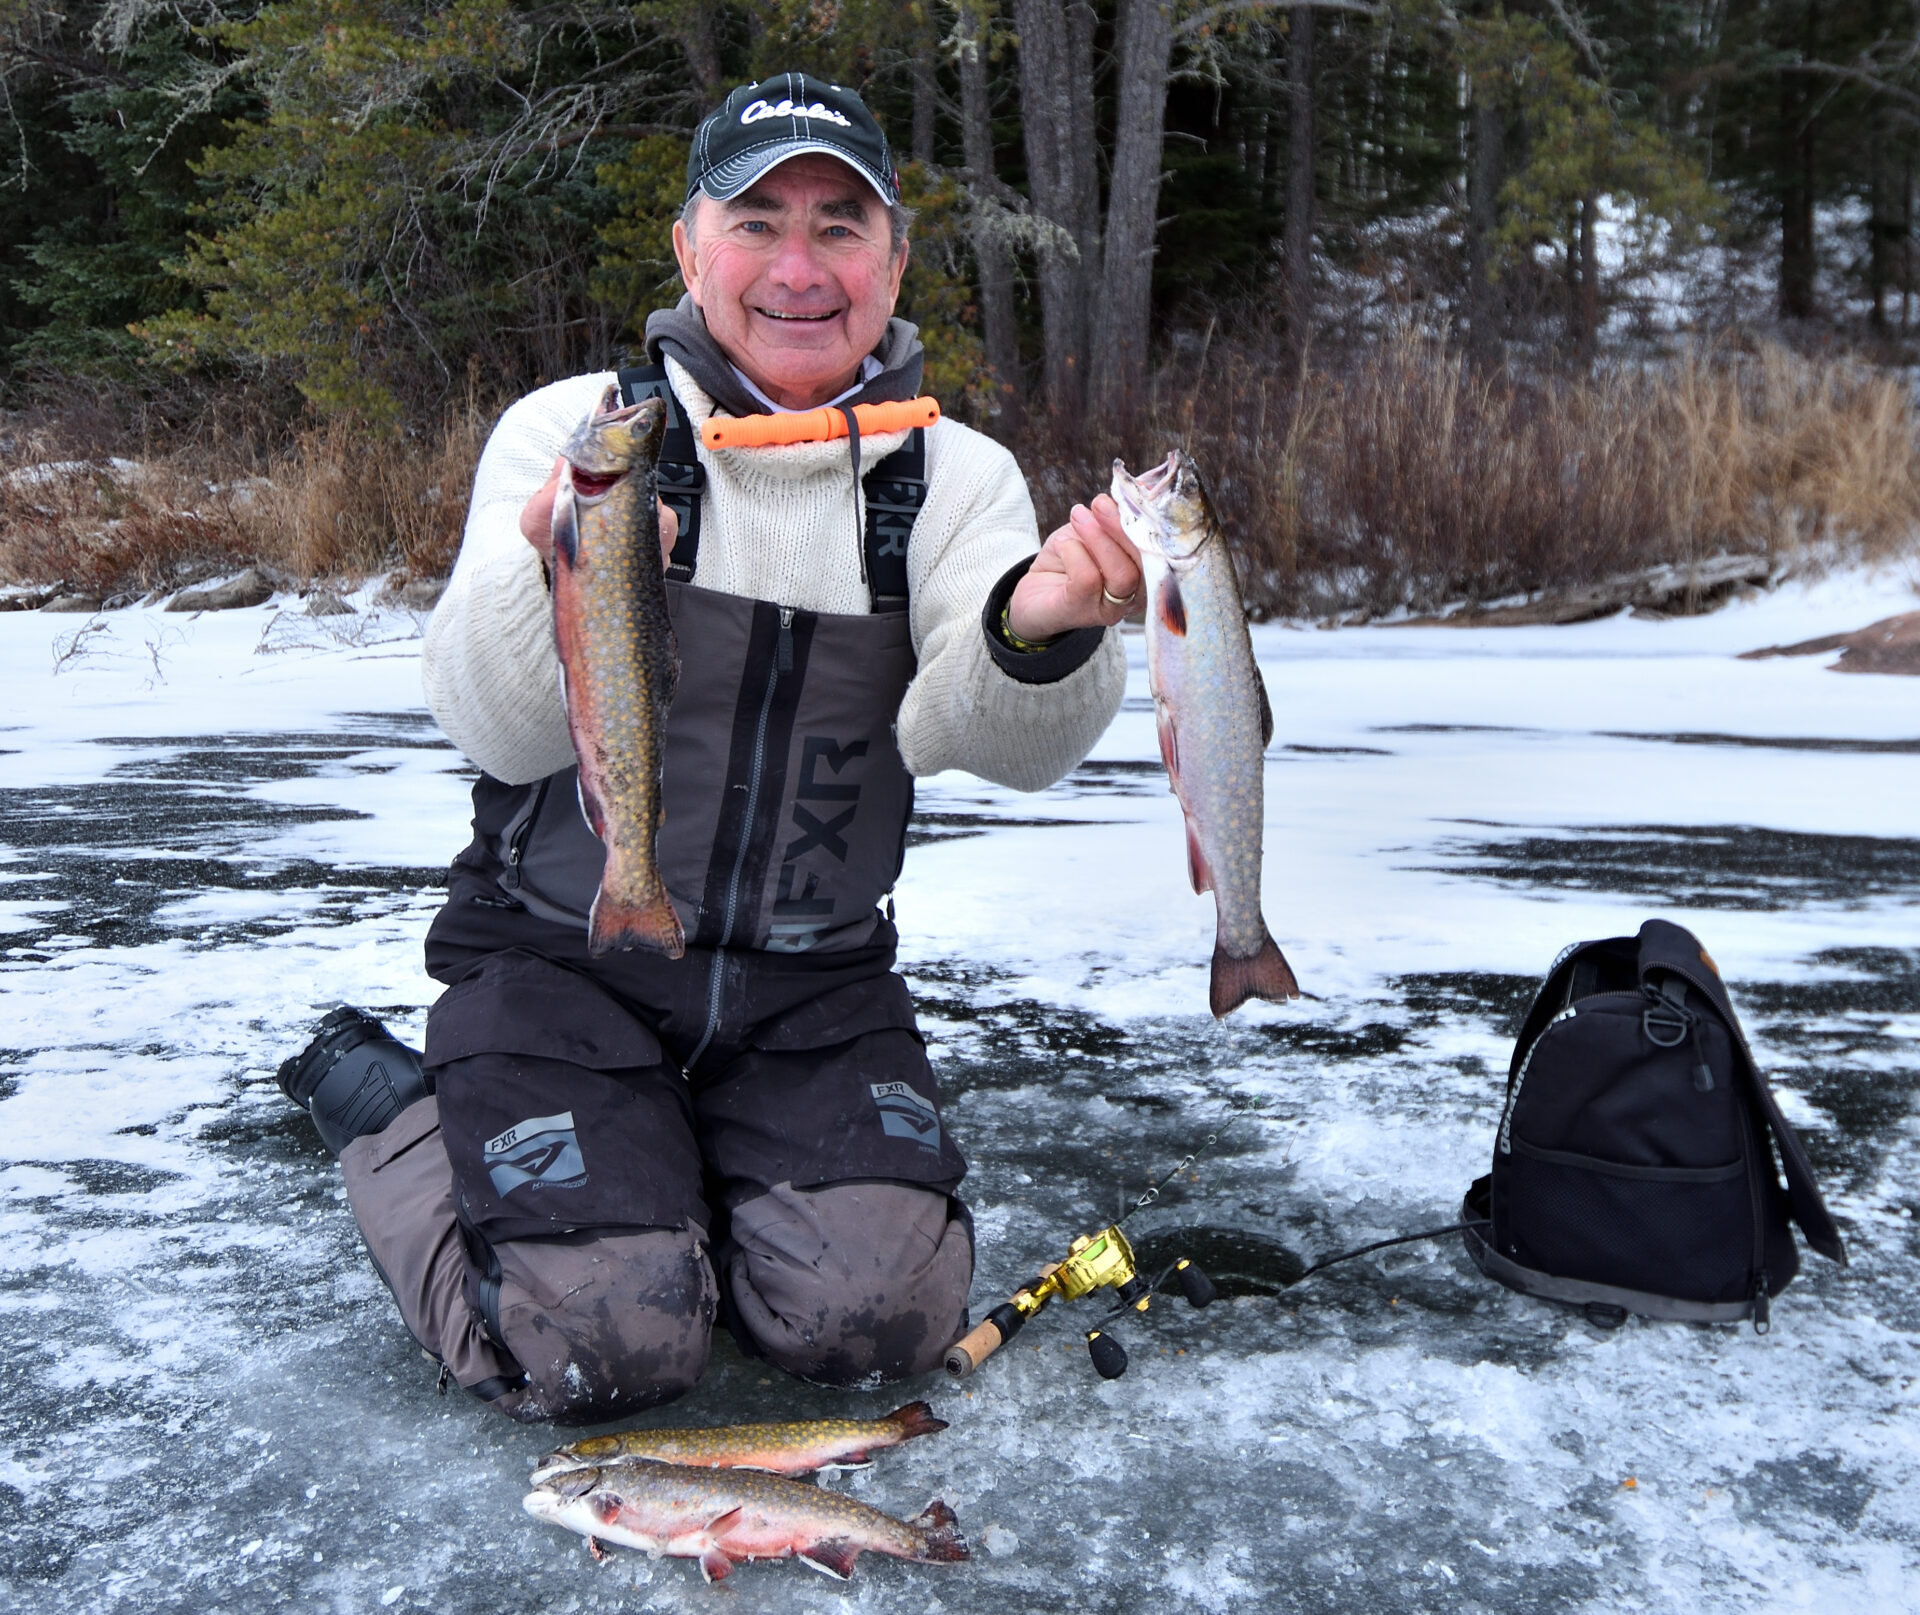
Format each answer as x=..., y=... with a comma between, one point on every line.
x=333, y=503
x=1405, y=478
x=1400, y=477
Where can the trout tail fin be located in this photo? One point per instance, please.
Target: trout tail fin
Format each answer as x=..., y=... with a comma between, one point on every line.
x=1266, y=975
x=651, y=924
x=915, y=1419
x=940, y=1538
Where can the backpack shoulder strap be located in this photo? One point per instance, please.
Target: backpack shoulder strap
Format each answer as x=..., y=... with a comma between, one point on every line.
x=1669, y=947
x=678, y=476
x=895, y=489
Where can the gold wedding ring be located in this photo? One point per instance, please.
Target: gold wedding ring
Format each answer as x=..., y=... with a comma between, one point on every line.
x=1113, y=599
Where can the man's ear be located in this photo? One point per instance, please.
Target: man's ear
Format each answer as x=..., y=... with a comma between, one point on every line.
x=895, y=270
x=689, y=267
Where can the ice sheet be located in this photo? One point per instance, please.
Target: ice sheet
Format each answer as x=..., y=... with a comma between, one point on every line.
x=211, y=830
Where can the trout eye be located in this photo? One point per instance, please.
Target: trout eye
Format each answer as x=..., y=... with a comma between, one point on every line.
x=592, y=484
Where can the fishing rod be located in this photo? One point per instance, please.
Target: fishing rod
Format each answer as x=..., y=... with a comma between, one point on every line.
x=1098, y=1261
x=1106, y=1260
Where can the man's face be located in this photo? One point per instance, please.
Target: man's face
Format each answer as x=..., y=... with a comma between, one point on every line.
x=796, y=276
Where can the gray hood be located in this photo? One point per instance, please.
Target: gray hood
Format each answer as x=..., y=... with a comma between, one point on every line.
x=682, y=332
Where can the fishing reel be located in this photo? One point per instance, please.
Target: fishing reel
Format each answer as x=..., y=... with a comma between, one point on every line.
x=1093, y=1262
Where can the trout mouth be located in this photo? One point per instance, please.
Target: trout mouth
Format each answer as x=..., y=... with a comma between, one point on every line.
x=590, y=487
x=1146, y=502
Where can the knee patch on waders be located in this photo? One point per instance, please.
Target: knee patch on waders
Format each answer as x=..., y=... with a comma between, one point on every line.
x=849, y=1282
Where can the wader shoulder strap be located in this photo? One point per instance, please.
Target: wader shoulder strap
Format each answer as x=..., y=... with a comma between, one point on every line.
x=896, y=488
x=679, y=475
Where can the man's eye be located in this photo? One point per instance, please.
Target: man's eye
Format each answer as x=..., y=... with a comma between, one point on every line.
x=756, y=227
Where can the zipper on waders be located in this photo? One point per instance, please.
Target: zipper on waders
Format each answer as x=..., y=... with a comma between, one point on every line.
x=782, y=663
x=517, y=842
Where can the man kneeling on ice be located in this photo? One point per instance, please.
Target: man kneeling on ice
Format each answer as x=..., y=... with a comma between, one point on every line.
x=602, y=1152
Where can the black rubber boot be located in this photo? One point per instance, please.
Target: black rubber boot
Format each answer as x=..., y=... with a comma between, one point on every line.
x=353, y=1078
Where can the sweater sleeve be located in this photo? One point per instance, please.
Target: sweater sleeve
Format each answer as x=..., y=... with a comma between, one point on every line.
x=491, y=673
x=963, y=710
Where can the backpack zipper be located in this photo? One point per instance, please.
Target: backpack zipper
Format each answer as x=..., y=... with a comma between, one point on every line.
x=1520, y=1077
x=782, y=663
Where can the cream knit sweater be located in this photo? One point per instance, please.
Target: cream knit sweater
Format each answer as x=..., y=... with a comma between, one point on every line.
x=779, y=524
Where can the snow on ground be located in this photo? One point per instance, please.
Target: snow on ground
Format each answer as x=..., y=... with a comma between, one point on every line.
x=211, y=830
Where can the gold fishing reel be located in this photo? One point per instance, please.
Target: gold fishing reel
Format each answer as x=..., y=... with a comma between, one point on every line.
x=1102, y=1261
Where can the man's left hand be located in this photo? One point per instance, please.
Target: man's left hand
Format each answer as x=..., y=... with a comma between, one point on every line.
x=1087, y=575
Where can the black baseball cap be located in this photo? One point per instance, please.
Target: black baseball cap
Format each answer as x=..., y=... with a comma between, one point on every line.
x=760, y=125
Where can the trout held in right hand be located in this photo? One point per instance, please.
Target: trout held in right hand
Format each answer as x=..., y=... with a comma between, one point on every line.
x=1213, y=715
x=618, y=661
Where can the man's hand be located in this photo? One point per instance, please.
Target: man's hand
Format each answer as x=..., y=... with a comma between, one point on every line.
x=536, y=518
x=1087, y=575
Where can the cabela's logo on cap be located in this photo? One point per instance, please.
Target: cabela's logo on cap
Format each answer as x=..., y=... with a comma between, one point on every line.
x=786, y=107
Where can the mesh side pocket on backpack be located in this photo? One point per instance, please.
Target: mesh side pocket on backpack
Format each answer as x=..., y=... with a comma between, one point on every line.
x=1680, y=1231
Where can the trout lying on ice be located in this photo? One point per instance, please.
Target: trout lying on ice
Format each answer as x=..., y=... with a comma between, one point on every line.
x=726, y=1517
x=619, y=661
x=777, y=1449
x=1213, y=714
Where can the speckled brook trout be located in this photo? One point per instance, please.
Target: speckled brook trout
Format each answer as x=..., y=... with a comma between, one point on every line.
x=1214, y=717
x=618, y=661
x=778, y=1449
x=726, y=1517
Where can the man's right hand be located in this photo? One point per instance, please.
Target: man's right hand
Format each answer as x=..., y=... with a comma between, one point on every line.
x=536, y=518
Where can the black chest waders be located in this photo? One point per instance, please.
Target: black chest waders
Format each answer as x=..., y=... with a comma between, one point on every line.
x=572, y=1088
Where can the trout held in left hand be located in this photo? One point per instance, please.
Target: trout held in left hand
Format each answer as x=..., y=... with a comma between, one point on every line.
x=618, y=660
x=1213, y=715
x=723, y=1517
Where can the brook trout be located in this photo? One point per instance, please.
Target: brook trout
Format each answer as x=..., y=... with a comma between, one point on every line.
x=1213, y=714
x=726, y=1517
x=618, y=661
x=777, y=1449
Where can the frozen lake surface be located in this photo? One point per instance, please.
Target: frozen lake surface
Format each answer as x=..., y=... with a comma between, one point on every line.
x=212, y=830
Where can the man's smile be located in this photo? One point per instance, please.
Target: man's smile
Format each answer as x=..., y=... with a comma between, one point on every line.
x=798, y=318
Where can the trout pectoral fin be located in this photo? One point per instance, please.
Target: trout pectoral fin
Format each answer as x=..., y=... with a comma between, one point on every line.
x=1197, y=870
x=1172, y=609
x=833, y=1559
x=565, y=526
x=1266, y=975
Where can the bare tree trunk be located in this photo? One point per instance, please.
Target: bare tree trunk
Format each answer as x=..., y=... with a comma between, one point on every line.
x=1483, y=219
x=1133, y=200
x=926, y=50
x=1906, y=244
x=1586, y=306
x=1798, y=263
x=1298, y=238
x=1056, y=105
x=699, y=37
x=991, y=253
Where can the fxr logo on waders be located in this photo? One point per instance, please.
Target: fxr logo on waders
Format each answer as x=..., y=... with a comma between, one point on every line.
x=800, y=916
x=543, y=1151
x=904, y=1114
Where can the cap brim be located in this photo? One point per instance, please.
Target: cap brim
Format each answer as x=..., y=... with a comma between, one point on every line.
x=730, y=178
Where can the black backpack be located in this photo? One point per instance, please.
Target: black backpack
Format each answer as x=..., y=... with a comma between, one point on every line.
x=1633, y=1170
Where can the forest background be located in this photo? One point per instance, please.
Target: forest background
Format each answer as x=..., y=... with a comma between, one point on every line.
x=1453, y=301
